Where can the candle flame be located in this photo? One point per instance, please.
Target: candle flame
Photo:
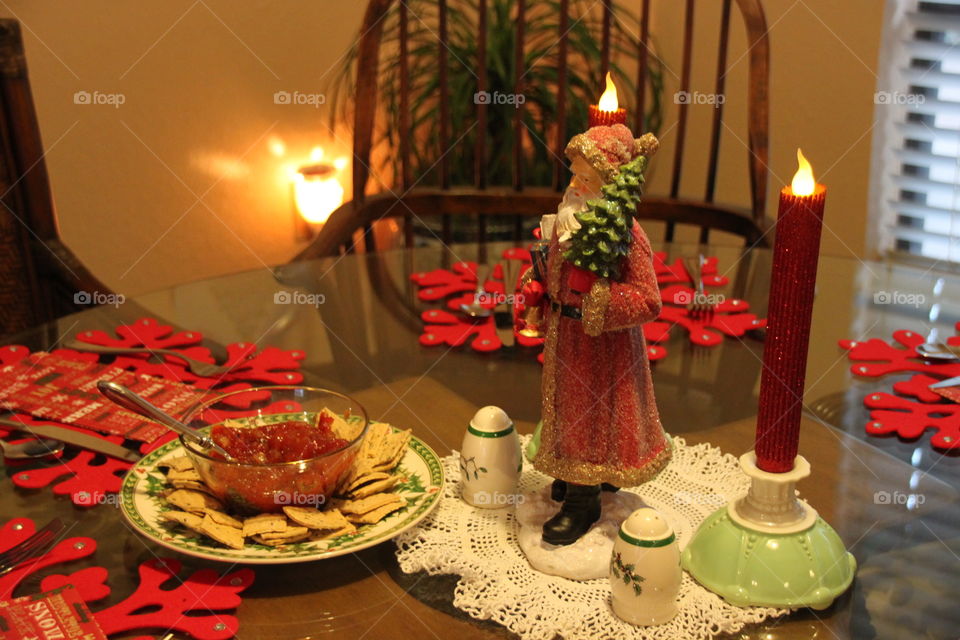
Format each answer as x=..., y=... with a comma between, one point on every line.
x=803, y=183
x=608, y=101
x=317, y=192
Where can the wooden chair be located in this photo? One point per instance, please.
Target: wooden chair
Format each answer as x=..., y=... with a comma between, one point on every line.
x=39, y=275
x=483, y=200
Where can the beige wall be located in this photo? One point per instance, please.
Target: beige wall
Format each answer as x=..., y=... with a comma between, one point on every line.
x=179, y=182
x=822, y=79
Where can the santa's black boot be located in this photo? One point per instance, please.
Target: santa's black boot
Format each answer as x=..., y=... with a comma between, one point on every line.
x=581, y=508
x=558, y=490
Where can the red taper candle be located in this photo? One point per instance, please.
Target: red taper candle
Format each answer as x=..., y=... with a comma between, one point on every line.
x=608, y=110
x=795, y=253
x=597, y=116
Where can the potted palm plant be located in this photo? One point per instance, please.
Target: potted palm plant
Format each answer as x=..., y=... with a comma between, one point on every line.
x=542, y=28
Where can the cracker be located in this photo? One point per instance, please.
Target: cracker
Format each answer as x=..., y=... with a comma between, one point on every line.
x=179, y=463
x=326, y=535
x=378, y=514
x=374, y=441
x=282, y=541
x=193, y=501
x=313, y=519
x=222, y=518
x=368, y=477
x=292, y=534
x=183, y=475
x=393, y=448
x=340, y=427
x=223, y=534
x=375, y=487
x=188, y=520
x=264, y=523
x=370, y=503
x=389, y=465
x=191, y=485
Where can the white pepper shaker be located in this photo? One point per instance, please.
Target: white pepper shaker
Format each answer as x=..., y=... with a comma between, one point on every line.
x=490, y=460
x=645, y=571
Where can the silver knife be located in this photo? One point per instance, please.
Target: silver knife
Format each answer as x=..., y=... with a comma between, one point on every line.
x=949, y=382
x=83, y=440
x=503, y=320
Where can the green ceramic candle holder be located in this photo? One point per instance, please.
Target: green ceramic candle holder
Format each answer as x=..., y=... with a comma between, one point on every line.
x=769, y=548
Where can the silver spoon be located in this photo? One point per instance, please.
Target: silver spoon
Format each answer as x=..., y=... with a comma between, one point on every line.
x=139, y=405
x=475, y=309
x=938, y=351
x=30, y=449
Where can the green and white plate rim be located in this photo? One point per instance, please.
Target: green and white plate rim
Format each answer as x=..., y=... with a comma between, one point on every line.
x=141, y=505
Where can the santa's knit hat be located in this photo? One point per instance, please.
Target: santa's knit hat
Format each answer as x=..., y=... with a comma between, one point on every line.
x=605, y=148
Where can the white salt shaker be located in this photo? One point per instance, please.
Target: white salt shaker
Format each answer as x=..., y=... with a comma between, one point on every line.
x=645, y=569
x=490, y=460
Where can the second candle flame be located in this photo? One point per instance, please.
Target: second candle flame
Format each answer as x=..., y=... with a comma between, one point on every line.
x=803, y=183
x=608, y=100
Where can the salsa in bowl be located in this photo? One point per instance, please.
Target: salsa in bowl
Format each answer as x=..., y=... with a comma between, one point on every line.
x=289, y=446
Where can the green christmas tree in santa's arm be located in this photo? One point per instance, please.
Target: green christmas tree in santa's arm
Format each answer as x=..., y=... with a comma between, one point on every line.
x=604, y=237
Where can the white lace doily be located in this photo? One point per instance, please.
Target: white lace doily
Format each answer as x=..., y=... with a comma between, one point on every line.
x=497, y=583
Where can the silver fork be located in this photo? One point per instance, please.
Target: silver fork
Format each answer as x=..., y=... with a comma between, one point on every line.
x=699, y=308
x=202, y=369
x=34, y=546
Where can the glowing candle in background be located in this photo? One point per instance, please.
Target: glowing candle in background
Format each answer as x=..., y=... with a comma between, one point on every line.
x=794, y=275
x=608, y=110
x=317, y=192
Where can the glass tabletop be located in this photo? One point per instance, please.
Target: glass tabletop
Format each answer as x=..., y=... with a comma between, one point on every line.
x=357, y=318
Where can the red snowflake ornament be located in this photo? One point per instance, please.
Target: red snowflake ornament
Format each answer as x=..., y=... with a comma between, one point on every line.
x=204, y=590
x=16, y=531
x=915, y=408
x=458, y=285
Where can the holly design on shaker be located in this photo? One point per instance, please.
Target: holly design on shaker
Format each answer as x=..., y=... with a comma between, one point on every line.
x=626, y=572
x=470, y=468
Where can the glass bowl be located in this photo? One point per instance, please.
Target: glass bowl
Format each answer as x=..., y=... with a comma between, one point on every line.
x=268, y=487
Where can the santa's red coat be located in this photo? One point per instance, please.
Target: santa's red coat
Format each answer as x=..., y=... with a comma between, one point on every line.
x=600, y=419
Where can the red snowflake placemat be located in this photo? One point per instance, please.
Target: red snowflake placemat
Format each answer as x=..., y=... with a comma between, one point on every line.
x=913, y=407
x=457, y=286
x=85, y=476
x=191, y=607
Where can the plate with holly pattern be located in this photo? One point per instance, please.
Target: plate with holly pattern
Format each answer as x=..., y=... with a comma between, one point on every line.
x=141, y=502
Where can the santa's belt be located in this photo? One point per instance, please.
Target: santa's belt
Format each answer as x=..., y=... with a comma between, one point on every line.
x=567, y=310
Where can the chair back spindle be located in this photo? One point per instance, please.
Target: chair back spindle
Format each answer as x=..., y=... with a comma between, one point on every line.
x=718, y=90
x=643, y=49
x=559, y=166
x=605, y=38
x=682, y=109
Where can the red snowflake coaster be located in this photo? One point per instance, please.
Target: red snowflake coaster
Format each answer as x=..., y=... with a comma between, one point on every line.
x=245, y=363
x=193, y=606
x=458, y=285
x=913, y=407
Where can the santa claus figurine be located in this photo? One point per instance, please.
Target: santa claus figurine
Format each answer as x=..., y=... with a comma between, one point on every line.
x=595, y=291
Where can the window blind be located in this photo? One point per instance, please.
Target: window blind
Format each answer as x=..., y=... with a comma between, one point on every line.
x=918, y=105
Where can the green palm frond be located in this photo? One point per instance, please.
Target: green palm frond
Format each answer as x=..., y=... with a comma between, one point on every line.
x=539, y=85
